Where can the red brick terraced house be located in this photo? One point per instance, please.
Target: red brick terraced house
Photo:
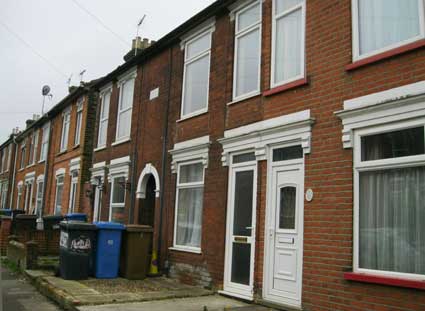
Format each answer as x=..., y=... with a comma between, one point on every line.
x=29, y=181
x=70, y=152
x=7, y=169
x=276, y=147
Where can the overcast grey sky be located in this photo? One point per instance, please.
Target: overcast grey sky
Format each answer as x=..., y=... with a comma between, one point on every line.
x=71, y=40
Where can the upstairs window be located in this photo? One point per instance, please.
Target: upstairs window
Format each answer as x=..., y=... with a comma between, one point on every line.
x=23, y=154
x=9, y=157
x=3, y=160
x=247, y=51
x=196, y=75
x=33, y=148
x=44, y=143
x=103, y=120
x=65, y=130
x=125, y=108
x=77, y=136
x=288, y=41
x=381, y=25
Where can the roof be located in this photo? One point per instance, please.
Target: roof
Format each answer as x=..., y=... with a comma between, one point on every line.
x=56, y=109
x=166, y=41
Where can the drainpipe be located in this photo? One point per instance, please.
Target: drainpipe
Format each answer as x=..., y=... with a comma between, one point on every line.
x=14, y=172
x=135, y=155
x=164, y=157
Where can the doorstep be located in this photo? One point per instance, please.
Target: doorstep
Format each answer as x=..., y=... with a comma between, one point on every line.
x=72, y=294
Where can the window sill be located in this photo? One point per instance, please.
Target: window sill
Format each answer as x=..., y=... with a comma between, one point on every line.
x=61, y=153
x=41, y=161
x=190, y=116
x=384, y=280
x=121, y=141
x=76, y=147
x=99, y=149
x=385, y=55
x=286, y=87
x=186, y=250
x=241, y=99
x=32, y=165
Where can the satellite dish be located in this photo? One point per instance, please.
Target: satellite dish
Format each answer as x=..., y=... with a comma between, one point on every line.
x=45, y=90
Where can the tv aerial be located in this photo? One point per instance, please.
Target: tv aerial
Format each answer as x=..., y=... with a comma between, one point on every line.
x=45, y=91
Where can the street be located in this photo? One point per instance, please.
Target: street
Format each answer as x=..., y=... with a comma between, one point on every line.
x=16, y=294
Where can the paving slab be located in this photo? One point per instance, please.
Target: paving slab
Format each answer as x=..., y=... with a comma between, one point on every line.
x=209, y=303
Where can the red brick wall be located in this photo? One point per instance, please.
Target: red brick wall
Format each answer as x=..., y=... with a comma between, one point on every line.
x=5, y=227
x=328, y=218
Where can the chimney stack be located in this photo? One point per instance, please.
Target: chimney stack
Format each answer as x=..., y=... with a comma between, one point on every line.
x=137, y=46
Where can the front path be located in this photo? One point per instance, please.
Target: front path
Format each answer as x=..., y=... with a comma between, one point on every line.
x=16, y=294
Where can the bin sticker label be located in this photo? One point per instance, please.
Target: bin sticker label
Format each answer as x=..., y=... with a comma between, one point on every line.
x=64, y=239
x=81, y=244
x=110, y=242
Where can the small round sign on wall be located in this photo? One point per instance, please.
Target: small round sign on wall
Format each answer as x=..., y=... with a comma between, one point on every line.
x=309, y=195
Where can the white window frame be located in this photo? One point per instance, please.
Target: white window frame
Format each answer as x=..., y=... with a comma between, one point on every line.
x=33, y=149
x=187, y=186
x=106, y=118
x=44, y=143
x=117, y=205
x=3, y=158
x=28, y=196
x=39, y=200
x=356, y=32
x=275, y=17
x=78, y=123
x=66, y=120
x=9, y=158
x=19, y=194
x=60, y=175
x=362, y=166
x=187, y=62
x=4, y=189
x=23, y=154
x=131, y=78
x=239, y=34
x=73, y=189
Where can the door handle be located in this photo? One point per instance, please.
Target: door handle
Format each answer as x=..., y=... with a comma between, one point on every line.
x=271, y=232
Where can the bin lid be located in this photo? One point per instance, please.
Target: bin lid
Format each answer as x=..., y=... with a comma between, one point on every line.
x=25, y=216
x=76, y=215
x=77, y=225
x=109, y=225
x=52, y=217
x=139, y=228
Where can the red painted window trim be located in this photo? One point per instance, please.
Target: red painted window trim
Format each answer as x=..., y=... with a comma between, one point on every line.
x=384, y=280
x=375, y=58
x=286, y=87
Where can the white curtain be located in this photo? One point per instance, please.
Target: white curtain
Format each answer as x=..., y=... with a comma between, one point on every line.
x=189, y=218
x=392, y=220
x=386, y=22
x=288, y=46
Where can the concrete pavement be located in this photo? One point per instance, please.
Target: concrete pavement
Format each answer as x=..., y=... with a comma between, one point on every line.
x=18, y=295
x=207, y=303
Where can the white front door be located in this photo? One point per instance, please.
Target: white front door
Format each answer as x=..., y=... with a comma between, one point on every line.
x=240, y=237
x=284, y=234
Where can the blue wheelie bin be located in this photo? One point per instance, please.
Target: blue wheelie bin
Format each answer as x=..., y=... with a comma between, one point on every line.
x=6, y=212
x=108, y=250
x=76, y=217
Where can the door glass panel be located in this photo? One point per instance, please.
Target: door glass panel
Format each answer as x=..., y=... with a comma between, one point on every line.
x=241, y=263
x=242, y=220
x=287, y=208
x=288, y=153
x=396, y=144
